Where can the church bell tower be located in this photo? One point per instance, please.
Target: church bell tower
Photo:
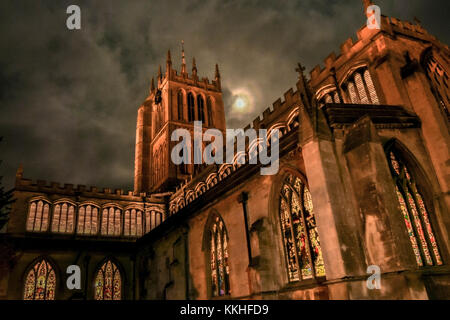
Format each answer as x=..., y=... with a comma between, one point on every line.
x=174, y=101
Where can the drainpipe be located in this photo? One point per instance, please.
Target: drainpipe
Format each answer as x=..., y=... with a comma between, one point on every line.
x=243, y=197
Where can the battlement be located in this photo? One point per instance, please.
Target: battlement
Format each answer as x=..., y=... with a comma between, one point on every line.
x=350, y=47
x=273, y=113
x=69, y=189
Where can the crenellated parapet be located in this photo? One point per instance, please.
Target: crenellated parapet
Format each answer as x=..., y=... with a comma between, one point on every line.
x=369, y=46
x=42, y=186
x=283, y=116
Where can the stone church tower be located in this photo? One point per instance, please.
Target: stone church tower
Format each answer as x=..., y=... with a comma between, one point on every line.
x=175, y=102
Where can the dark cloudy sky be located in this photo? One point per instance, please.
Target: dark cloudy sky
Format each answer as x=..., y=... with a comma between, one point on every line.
x=68, y=99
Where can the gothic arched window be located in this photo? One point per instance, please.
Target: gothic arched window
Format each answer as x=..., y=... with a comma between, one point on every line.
x=40, y=282
x=133, y=223
x=152, y=220
x=38, y=216
x=360, y=88
x=218, y=257
x=201, y=108
x=414, y=212
x=63, y=217
x=298, y=227
x=108, y=282
x=209, y=111
x=111, y=221
x=180, y=104
x=191, y=110
x=331, y=96
x=438, y=76
x=87, y=220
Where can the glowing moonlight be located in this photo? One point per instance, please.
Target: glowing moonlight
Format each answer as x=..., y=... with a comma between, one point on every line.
x=242, y=102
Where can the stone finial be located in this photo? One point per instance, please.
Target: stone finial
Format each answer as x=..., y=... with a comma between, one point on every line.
x=217, y=76
x=194, y=67
x=152, y=86
x=217, y=72
x=183, y=58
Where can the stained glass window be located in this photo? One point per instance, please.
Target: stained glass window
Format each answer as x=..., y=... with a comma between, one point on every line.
x=371, y=88
x=361, y=88
x=111, y=221
x=133, y=223
x=40, y=282
x=415, y=214
x=352, y=93
x=299, y=231
x=108, y=282
x=38, y=216
x=88, y=220
x=220, y=271
x=152, y=220
x=63, y=218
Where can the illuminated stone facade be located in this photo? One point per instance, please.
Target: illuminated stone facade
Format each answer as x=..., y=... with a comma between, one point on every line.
x=364, y=180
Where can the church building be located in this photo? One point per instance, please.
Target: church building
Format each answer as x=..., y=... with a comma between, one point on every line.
x=363, y=186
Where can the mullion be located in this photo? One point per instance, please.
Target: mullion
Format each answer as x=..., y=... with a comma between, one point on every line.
x=307, y=240
x=294, y=243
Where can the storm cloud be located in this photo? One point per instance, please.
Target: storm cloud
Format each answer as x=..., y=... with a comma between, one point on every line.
x=69, y=99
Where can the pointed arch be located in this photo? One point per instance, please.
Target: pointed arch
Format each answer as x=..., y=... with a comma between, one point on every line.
x=108, y=280
x=88, y=218
x=40, y=280
x=215, y=245
x=38, y=215
x=414, y=206
x=299, y=233
x=191, y=107
x=111, y=224
x=209, y=111
x=63, y=220
x=201, y=108
x=180, y=104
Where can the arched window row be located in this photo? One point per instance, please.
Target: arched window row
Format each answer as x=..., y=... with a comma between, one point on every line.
x=415, y=213
x=40, y=281
x=360, y=88
x=90, y=219
x=299, y=231
x=203, y=114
